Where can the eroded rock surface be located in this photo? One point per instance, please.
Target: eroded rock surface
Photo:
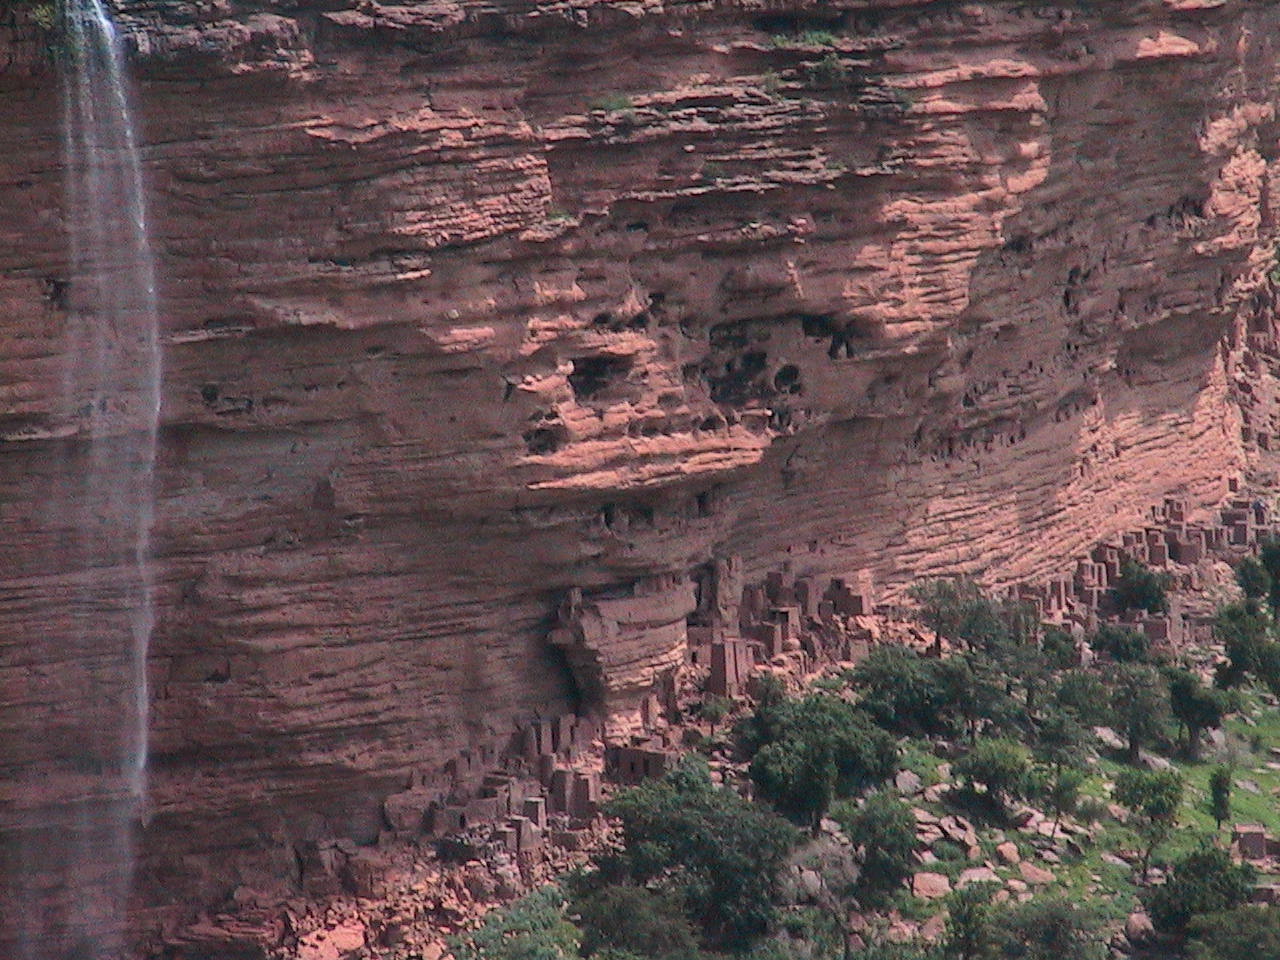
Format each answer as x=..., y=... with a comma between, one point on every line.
x=471, y=306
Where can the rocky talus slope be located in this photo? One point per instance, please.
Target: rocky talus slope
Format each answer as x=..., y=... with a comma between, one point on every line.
x=469, y=304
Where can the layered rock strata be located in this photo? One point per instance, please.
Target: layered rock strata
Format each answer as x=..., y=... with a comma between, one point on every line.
x=468, y=307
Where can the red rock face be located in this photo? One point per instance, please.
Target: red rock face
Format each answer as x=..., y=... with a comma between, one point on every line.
x=465, y=307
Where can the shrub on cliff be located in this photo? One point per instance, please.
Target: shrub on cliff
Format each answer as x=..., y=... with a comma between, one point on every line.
x=1121, y=644
x=1255, y=582
x=1139, y=706
x=715, y=852
x=1140, y=588
x=654, y=924
x=814, y=749
x=1154, y=798
x=1203, y=881
x=1245, y=932
x=903, y=691
x=1196, y=707
x=885, y=828
x=535, y=927
x=1051, y=928
x=1001, y=767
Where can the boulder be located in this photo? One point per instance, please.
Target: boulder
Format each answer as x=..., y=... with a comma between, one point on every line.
x=1139, y=929
x=1036, y=876
x=908, y=782
x=1008, y=852
x=930, y=886
x=976, y=875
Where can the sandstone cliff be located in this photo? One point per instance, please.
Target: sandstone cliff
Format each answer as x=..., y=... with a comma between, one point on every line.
x=469, y=305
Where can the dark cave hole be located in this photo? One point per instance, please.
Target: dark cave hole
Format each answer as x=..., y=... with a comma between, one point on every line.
x=593, y=374
x=787, y=379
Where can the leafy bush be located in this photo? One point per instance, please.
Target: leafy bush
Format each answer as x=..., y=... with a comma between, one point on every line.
x=1060, y=739
x=970, y=932
x=885, y=828
x=1154, y=797
x=1139, y=705
x=716, y=852
x=1252, y=932
x=1083, y=696
x=957, y=609
x=1059, y=648
x=903, y=691
x=1205, y=880
x=976, y=693
x=655, y=925
x=1245, y=633
x=1051, y=928
x=1002, y=767
x=1140, y=588
x=814, y=749
x=1122, y=644
x=830, y=71
x=1062, y=794
x=1197, y=707
x=1255, y=582
x=1220, y=794
x=532, y=928
x=906, y=692
x=1269, y=556
x=714, y=709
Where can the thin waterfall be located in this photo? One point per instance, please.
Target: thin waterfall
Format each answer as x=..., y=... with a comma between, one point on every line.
x=68, y=871
x=115, y=337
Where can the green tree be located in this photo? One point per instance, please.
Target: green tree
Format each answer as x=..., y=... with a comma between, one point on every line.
x=1059, y=648
x=1030, y=667
x=1139, y=705
x=975, y=693
x=912, y=950
x=815, y=749
x=885, y=828
x=1051, y=928
x=1153, y=797
x=957, y=609
x=1243, y=630
x=1269, y=556
x=1002, y=767
x=796, y=776
x=1060, y=740
x=1122, y=644
x=1205, y=880
x=533, y=928
x=714, y=709
x=1063, y=794
x=655, y=925
x=718, y=853
x=970, y=932
x=1085, y=697
x=1140, y=588
x=1250, y=931
x=903, y=691
x=1220, y=794
x=1254, y=580
x=1196, y=707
